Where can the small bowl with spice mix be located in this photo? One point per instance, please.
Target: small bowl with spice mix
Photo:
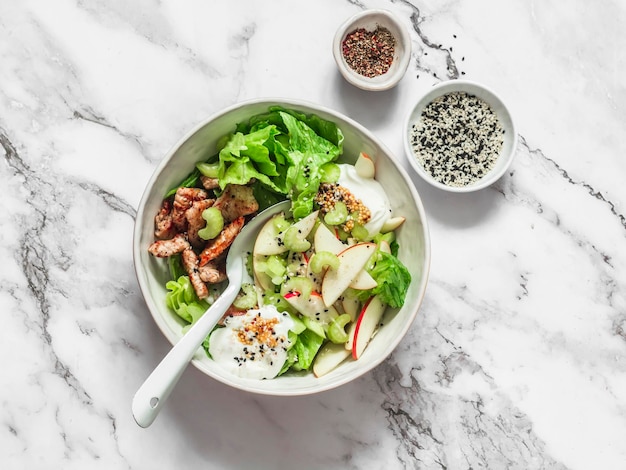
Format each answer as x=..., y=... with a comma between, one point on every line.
x=460, y=136
x=372, y=50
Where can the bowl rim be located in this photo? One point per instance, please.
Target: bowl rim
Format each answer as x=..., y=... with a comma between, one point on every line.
x=469, y=86
x=382, y=82
x=249, y=385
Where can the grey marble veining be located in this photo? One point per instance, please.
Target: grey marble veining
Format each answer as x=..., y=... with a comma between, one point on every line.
x=517, y=359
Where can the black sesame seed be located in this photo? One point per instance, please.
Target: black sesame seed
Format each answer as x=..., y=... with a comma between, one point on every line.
x=457, y=138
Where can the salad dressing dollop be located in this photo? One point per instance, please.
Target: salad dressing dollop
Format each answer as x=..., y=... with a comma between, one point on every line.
x=371, y=194
x=253, y=345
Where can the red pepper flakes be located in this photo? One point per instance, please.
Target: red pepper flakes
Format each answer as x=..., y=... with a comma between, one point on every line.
x=369, y=53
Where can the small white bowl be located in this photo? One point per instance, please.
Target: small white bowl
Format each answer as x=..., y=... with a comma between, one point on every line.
x=370, y=20
x=505, y=158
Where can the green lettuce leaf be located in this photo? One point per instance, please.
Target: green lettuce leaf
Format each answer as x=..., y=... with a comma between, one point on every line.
x=393, y=280
x=283, y=151
x=182, y=299
x=326, y=129
x=307, y=152
x=189, y=182
x=175, y=266
x=246, y=157
x=305, y=346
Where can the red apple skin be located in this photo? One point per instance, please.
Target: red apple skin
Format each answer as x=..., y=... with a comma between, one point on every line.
x=375, y=311
x=357, y=325
x=313, y=307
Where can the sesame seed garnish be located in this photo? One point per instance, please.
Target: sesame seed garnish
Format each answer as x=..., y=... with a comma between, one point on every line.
x=457, y=139
x=329, y=194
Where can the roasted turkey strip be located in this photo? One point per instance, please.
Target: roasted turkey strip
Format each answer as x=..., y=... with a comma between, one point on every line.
x=209, y=183
x=163, y=225
x=166, y=248
x=236, y=201
x=195, y=221
x=183, y=199
x=190, y=263
x=219, y=244
x=213, y=272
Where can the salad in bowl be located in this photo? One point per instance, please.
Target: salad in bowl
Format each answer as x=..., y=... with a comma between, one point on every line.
x=334, y=280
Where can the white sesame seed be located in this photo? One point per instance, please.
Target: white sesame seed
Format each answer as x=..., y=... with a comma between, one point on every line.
x=457, y=139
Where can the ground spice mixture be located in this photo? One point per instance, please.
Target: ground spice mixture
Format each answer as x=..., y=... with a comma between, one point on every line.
x=369, y=53
x=457, y=139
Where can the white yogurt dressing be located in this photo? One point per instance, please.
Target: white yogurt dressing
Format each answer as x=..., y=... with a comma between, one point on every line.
x=253, y=345
x=371, y=193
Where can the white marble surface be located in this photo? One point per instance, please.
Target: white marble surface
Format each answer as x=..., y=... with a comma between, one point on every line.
x=518, y=357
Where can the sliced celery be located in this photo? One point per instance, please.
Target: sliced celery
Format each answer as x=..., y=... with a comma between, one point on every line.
x=315, y=326
x=247, y=298
x=214, y=223
x=209, y=169
x=338, y=215
x=330, y=173
x=336, y=330
x=298, y=324
x=280, y=223
x=389, y=237
x=277, y=300
x=275, y=267
x=342, y=234
x=322, y=259
x=302, y=285
x=294, y=240
x=360, y=233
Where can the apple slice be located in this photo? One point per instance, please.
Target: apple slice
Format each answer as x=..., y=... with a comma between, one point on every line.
x=262, y=278
x=329, y=357
x=364, y=166
x=267, y=241
x=391, y=224
x=366, y=325
x=300, y=265
x=270, y=242
x=313, y=307
x=350, y=305
x=325, y=240
x=351, y=330
x=351, y=263
x=306, y=224
x=363, y=281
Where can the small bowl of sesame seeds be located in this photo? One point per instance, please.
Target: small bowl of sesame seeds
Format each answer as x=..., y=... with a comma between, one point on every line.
x=372, y=50
x=460, y=136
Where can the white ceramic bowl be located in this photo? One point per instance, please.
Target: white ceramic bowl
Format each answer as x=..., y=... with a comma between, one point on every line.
x=370, y=20
x=413, y=238
x=507, y=152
